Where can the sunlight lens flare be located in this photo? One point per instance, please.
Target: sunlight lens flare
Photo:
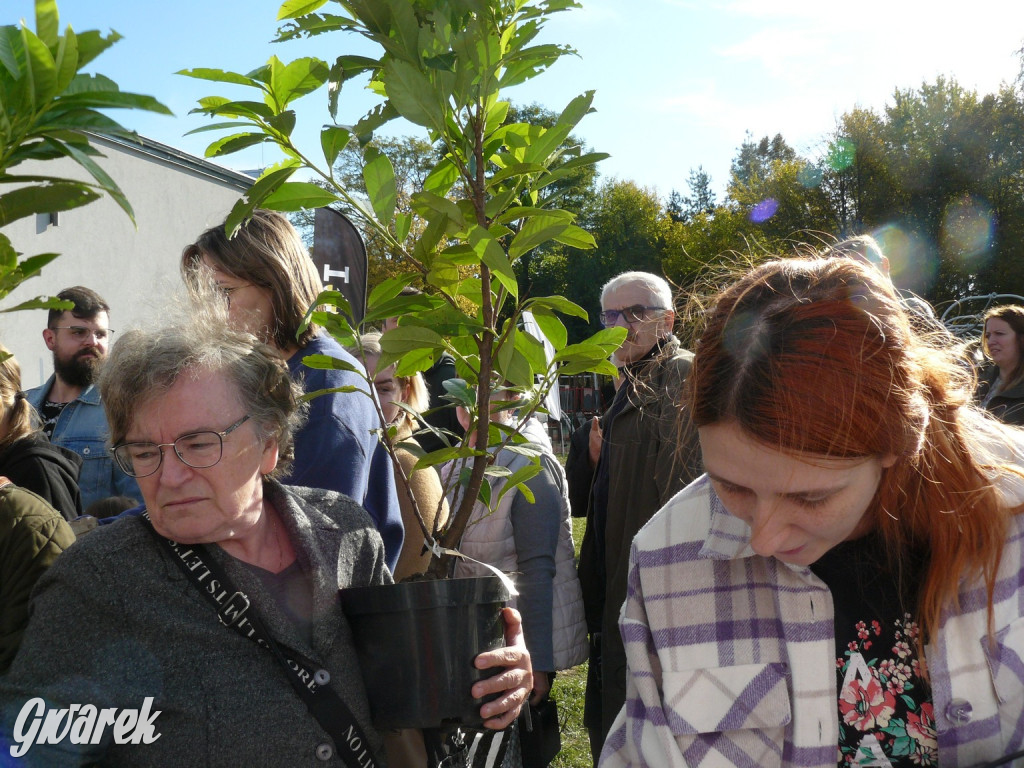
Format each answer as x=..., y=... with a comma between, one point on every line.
x=968, y=227
x=841, y=155
x=809, y=176
x=913, y=260
x=764, y=210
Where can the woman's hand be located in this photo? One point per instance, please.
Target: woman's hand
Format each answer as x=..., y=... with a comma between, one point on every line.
x=514, y=683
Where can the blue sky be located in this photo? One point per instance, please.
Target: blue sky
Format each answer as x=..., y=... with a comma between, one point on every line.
x=678, y=82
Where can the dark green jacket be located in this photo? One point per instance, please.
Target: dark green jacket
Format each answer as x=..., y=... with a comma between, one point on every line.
x=650, y=460
x=32, y=534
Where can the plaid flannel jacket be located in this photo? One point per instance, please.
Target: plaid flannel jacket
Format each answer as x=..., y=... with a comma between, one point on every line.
x=732, y=655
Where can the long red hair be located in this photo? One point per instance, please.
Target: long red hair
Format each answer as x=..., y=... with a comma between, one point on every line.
x=814, y=356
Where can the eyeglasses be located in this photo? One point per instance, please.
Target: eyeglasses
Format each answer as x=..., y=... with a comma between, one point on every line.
x=198, y=450
x=81, y=333
x=633, y=314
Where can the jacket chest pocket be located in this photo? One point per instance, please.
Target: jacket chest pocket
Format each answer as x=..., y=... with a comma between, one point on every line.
x=1006, y=662
x=729, y=711
x=96, y=463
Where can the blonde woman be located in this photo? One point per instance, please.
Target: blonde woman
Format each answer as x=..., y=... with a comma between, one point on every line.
x=27, y=458
x=424, y=485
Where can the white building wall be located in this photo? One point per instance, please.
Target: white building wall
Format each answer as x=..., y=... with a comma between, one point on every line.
x=175, y=198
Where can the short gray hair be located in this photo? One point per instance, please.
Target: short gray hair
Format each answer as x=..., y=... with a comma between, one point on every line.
x=660, y=290
x=144, y=364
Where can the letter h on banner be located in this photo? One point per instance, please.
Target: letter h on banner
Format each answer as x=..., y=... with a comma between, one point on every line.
x=340, y=256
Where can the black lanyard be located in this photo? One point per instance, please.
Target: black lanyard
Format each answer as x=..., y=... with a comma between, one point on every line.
x=311, y=683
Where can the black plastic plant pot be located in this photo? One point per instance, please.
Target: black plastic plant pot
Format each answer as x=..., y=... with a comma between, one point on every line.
x=416, y=642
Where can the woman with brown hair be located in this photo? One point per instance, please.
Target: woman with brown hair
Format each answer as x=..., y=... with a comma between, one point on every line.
x=269, y=281
x=27, y=458
x=843, y=584
x=1001, y=384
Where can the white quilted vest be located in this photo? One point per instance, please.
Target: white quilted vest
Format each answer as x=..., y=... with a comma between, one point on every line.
x=489, y=539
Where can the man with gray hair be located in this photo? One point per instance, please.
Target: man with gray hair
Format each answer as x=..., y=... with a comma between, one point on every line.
x=643, y=453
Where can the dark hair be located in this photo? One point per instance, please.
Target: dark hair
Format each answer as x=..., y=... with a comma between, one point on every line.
x=267, y=252
x=818, y=357
x=87, y=302
x=110, y=506
x=1013, y=316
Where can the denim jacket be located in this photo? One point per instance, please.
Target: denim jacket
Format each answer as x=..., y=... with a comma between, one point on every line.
x=82, y=427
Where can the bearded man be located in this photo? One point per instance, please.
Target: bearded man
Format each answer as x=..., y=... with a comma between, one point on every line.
x=69, y=405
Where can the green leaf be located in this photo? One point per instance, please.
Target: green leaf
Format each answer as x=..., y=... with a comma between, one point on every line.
x=459, y=392
x=266, y=184
x=333, y=139
x=576, y=237
x=49, y=198
x=493, y=255
x=379, y=175
x=328, y=363
x=219, y=127
x=513, y=365
x=536, y=231
x=517, y=480
x=222, y=107
x=442, y=177
x=47, y=23
x=408, y=338
x=235, y=143
x=219, y=76
x=532, y=349
x=403, y=222
x=39, y=302
x=412, y=363
x=296, y=195
x=549, y=141
x=40, y=69
x=102, y=178
x=434, y=458
x=92, y=43
x=290, y=81
x=291, y=9
x=428, y=205
x=95, y=99
x=10, y=44
x=413, y=95
x=557, y=304
x=389, y=289
x=552, y=328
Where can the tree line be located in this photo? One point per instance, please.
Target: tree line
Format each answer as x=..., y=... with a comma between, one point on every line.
x=937, y=177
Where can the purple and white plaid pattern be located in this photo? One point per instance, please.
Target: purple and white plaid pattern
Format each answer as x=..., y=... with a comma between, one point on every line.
x=732, y=655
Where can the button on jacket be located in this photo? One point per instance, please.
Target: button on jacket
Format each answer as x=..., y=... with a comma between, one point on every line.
x=82, y=427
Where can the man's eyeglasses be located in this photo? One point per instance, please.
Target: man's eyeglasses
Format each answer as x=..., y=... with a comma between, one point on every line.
x=198, y=450
x=633, y=314
x=81, y=333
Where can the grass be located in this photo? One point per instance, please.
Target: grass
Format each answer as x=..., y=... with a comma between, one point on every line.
x=568, y=691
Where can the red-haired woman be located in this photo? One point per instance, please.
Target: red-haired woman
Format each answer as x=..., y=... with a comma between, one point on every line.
x=1001, y=385
x=844, y=584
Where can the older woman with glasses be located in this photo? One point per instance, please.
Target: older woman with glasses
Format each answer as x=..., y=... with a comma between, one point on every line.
x=213, y=616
